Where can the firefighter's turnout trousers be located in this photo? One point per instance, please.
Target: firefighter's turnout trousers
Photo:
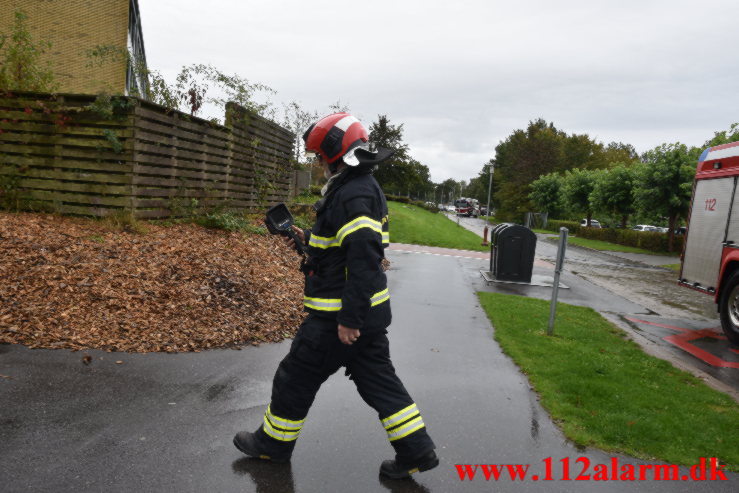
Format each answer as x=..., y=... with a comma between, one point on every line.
x=315, y=354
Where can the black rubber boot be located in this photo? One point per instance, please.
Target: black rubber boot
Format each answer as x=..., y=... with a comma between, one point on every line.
x=400, y=469
x=249, y=444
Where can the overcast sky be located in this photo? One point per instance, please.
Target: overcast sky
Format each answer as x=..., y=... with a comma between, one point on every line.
x=462, y=75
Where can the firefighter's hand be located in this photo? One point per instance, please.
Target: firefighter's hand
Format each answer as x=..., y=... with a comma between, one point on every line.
x=290, y=242
x=348, y=336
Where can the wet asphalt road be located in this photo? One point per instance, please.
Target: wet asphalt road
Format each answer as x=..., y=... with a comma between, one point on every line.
x=161, y=422
x=640, y=296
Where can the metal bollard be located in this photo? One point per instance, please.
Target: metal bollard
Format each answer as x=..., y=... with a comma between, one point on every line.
x=557, y=270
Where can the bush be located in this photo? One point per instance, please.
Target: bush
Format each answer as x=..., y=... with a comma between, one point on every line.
x=554, y=225
x=398, y=198
x=229, y=222
x=429, y=207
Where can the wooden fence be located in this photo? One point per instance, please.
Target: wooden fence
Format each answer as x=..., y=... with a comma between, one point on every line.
x=75, y=154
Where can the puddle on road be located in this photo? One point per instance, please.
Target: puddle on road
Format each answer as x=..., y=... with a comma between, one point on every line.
x=651, y=287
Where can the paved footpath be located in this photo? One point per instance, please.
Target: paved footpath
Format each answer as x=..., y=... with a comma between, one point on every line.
x=162, y=422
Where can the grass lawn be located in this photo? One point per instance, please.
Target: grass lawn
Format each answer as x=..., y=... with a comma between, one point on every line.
x=604, y=391
x=417, y=226
x=612, y=247
x=675, y=267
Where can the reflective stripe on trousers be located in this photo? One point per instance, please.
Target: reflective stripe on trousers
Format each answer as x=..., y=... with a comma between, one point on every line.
x=284, y=430
x=403, y=423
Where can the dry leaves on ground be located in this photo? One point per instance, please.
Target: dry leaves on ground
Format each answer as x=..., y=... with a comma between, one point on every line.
x=73, y=283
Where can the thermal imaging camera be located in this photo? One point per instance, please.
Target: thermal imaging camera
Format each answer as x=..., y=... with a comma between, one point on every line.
x=279, y=222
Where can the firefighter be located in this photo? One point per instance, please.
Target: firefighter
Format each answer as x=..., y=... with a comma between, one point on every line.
x=348, y=305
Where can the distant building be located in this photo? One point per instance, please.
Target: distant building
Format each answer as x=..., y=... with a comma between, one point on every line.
x=75, y=28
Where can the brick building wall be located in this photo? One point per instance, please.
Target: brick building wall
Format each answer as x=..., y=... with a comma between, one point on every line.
x=73, y=27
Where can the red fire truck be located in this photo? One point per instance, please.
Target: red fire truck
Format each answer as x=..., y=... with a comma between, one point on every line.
x=467, y=207
x=710, y=261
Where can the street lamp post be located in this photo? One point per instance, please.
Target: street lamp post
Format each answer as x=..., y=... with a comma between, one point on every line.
x=490, y=186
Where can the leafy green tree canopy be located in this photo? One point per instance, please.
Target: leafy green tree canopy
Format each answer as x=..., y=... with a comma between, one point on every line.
x=546, y=194
x=665, y=182
x=578, y=185
x=401, y=174
x=613, y=192
x=541, y=149
x=724, y=136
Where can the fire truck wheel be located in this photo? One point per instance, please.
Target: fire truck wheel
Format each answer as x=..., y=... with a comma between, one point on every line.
x=729, y=308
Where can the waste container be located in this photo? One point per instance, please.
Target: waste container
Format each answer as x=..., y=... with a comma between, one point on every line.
x=493, y=237
x=512, y=249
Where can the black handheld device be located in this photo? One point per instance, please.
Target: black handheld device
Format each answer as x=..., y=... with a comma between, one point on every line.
x=279, y=222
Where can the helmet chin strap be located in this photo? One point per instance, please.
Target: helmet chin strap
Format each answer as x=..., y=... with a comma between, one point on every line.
x=334, y=167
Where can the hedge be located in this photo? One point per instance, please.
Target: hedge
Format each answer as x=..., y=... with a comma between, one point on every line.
x=648, y=240
x=554, y=225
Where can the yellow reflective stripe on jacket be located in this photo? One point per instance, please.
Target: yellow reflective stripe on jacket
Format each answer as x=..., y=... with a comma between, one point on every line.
x=287, y=424
x=347, y=229
x=380, y=297
x=402, y=415
x=324, y=304
x=334, y=304
x=358, y=223
x=406, y=429
x=322, y=241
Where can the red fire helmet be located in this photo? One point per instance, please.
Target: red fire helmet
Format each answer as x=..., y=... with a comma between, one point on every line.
x=333, y=136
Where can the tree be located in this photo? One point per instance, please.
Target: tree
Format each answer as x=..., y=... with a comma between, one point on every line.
x=478, y=186
x=724, y=136
x=618, y=152
x=546, y=194
x=541, y=149
x=580, y=151
x=522, y=158
x=297, y=120
x=578, y=185
x=665, y=183
x=20, y=60
x=448, y=190
x=614, y=192
x=390, y=174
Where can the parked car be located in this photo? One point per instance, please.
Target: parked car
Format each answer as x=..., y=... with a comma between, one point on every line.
x=644, y=227
x=594, y=223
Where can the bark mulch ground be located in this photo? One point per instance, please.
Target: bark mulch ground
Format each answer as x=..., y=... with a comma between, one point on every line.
x=76, y=283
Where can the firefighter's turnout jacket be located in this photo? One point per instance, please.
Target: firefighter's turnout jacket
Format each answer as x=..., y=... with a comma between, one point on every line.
x=344, y=275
